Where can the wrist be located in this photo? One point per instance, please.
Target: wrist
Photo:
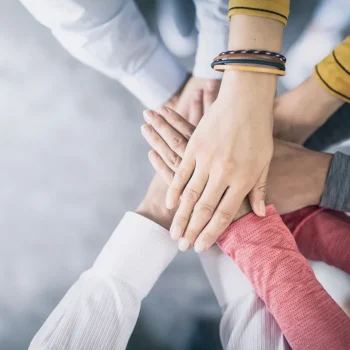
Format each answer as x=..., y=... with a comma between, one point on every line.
x=156, y=213
x=322, y=164
x=250, y=90
x=319, y=104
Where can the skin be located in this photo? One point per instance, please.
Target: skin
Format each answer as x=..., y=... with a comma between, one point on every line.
x=196, y=95
x=300, y=112
x=296, y=179
x=229, y=155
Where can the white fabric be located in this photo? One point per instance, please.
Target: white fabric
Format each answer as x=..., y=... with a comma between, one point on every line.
x=112, y=37
x=246, y=323
x=100, y=310
x=213, y=31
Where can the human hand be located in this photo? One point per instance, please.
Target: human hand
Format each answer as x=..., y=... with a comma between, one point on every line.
x=296, y=179
x=194, y=98
x=153, y=205
x=220, y=170
x=300, y=112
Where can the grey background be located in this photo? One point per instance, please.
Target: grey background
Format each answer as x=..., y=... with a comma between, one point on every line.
x=72, y=162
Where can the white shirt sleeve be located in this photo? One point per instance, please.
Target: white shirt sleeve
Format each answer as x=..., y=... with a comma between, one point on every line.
x=100, y=310
x=112, y=37
x=246, y=323
x=213, y=32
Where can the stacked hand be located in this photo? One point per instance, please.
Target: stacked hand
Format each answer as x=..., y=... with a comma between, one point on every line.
x=296, y=178
x=194, y=97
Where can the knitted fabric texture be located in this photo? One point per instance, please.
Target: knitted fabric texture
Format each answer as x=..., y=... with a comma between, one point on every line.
x=267, y=253
x=322, y=235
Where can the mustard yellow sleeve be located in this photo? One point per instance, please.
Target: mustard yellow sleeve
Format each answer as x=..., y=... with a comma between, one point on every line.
x=333, y=72
x=275, y=9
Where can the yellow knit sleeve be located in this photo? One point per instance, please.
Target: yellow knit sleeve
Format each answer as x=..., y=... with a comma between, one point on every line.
x=333, y=72
x=275, y=9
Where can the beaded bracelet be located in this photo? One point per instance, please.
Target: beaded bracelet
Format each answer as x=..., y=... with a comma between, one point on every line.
x=256, y=52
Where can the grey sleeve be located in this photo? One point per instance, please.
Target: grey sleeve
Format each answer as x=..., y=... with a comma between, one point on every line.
x=336, y=194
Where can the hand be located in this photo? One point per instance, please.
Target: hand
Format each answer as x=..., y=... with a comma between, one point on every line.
x=153, y=205
x=194, y=98
x=300, y=112
x=296, y=179
x=227, y=157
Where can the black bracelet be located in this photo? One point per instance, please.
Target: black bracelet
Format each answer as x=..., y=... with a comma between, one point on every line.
x=277, y=65
x=258, y=52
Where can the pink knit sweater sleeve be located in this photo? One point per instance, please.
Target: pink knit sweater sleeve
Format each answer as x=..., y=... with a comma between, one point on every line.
x=266, y=252
x=321, y=234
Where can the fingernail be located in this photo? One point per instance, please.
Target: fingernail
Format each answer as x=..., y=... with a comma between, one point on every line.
x=184, y=244
x=262, y=208
x=199, y=247
x=144, y=129
x=175, y=232
x=148, y=114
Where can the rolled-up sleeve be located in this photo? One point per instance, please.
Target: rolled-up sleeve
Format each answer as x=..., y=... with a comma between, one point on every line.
x=274, y=9
x=333, y=72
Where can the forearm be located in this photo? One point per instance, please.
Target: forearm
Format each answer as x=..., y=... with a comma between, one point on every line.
x=100, y=310
x=266, y=252
x=321, y=235
x=251, y=32
x=246, y=323
x=333, y=72
x=113, y=38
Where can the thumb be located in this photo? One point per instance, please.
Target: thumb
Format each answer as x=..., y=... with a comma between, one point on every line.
x=258, y=193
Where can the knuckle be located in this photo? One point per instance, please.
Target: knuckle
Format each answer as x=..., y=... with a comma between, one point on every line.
x=178, y=142
x=224, y=217
x=174, y=160
x=191, y=195
x=225, y=170
x=181, y=220
x=181, y=173
x=191, y=235
x=204, y=210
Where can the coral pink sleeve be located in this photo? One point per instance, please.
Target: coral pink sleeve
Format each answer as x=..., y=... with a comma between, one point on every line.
x=267, y=253
x=321, y=234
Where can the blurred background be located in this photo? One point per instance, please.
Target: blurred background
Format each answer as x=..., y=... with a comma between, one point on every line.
x=72, y=162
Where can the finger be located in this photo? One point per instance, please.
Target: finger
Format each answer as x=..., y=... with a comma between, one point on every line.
x=210, y=93
x=222, y=218
x=156, y=142
x=179, y=123
x=172, y=137
x=196, y=108
x=204, y=209
x=189, y=199
x=181, y=177
x=160, y=167
x=258, y=193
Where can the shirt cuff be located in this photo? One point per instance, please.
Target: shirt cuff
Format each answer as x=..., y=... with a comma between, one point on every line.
x=333, y=72
x=138, y=252
x=336, y=194
x=158, y=79
x=209, y=46
x=245, y=229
